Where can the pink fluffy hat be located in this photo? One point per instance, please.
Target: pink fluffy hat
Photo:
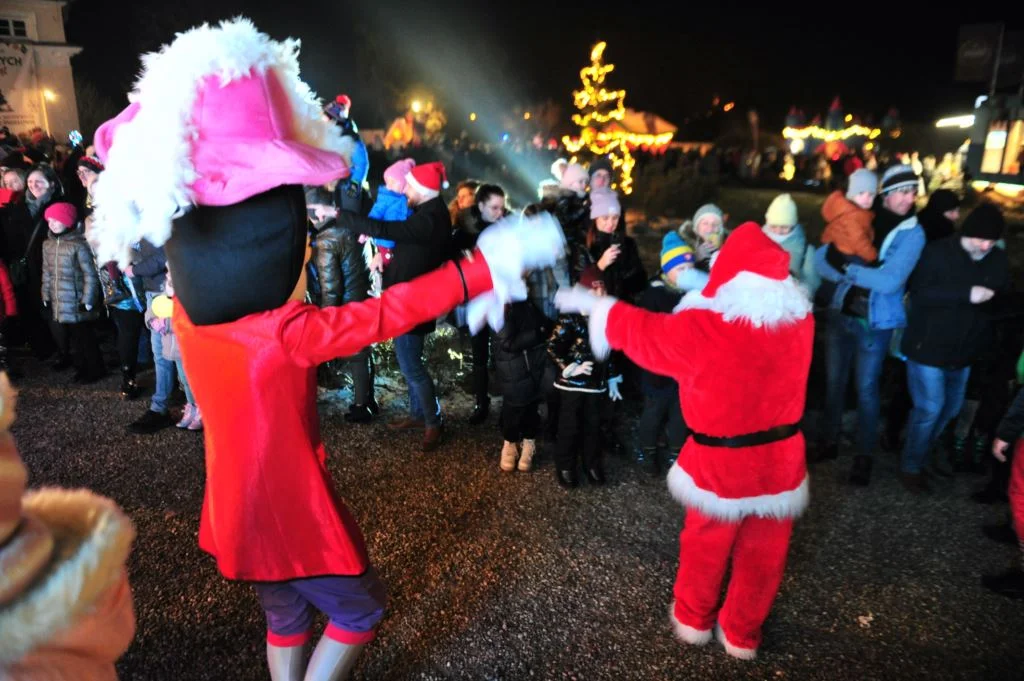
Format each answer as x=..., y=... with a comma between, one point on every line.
x=218, y=116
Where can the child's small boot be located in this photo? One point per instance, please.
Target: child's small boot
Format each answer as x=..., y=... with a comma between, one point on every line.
x=526, y=457
x=509, y=454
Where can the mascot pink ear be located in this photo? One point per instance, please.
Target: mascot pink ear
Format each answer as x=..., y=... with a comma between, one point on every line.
x=104, y=137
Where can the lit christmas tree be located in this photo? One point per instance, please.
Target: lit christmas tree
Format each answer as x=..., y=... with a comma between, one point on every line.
x=599, y=106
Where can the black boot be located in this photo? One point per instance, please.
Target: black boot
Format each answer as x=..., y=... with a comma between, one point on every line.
x=479, y=414
x=1009, y=583
x=567, y=478
x=1002, y=533
x=63, y=363
x=861, y=473
x=828, y=451
x=647, y=457
x=358, y=413
x=595, y=474
x=129, y=388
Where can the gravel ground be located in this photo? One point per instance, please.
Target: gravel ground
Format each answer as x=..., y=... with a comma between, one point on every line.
x=506, y=576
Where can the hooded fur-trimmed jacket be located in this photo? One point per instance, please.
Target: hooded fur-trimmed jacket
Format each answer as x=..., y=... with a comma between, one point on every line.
x=75, y=622
x=70, y=281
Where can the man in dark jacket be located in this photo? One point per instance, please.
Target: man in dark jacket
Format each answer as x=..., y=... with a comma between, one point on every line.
x=343, y=277
x=150, y=264
x=948, y=328
x=422, y=244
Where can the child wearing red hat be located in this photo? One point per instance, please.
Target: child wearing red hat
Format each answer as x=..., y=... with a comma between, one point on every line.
x=71, y=289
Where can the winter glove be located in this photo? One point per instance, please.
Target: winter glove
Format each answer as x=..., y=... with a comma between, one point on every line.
x=614, y=394
x=836, y=259
x=511, y=246
x=578, y=369
x=577, y=299
x=705, y=250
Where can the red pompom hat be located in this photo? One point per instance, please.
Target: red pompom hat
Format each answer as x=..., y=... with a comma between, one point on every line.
x=428, y=179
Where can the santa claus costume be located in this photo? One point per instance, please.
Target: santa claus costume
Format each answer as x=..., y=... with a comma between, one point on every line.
x=210, y=160
x=741, y=475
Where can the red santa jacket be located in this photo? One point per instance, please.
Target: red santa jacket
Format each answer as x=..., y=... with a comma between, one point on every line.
x=270, y=511
x=741, y=360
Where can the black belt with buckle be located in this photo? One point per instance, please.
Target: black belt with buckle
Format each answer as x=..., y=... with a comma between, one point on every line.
x=762, y=437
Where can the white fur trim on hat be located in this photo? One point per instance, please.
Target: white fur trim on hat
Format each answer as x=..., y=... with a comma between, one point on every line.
x=94, y=537
x=427, y=193
x=788, y=504
x=149, y=171
x=754, y=298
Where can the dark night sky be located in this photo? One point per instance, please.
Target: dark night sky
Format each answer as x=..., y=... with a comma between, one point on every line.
x=482, y=56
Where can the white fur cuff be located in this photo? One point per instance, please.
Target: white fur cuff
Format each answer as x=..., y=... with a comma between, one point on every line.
x=597, y=326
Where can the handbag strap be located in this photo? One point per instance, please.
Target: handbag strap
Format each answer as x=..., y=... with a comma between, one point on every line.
x=33, y=238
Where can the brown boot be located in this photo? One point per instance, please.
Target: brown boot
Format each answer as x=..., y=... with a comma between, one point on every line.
x=432, y=437
x=408, y=423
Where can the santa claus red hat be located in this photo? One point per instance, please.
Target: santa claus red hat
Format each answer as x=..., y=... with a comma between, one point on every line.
x=428, y=179
x=748, y=249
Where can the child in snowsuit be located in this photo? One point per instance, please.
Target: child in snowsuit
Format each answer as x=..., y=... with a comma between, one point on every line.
x=519, y=361
x=583, y=382
x=71, y=288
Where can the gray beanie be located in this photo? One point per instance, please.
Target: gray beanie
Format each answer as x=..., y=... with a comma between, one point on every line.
x=708, y=209
x=862, y=180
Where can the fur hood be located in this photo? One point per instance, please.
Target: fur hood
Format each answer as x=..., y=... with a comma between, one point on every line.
x=92, y=538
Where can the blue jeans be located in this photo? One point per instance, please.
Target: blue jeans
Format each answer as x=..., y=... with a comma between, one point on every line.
x=423, y=404
x=183, y=379
x=938, y=396
x=851, y=343
x=165, y=369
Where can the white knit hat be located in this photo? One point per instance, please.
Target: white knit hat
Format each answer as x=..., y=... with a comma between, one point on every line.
x=782, y=211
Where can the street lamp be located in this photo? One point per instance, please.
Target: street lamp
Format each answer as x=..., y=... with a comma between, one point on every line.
x=49, y=95
x=526, y=116
x=472, y=117
x=417, y=106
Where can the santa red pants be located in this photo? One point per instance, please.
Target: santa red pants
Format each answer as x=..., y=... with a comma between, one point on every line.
x=758, y=547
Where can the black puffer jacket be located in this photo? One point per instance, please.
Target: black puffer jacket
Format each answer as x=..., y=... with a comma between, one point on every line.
x=341, y=268
x=468, y=227
x=944, y=329
x=625, y=277
x=520, y=353
x=570, y=344
x=70, y=281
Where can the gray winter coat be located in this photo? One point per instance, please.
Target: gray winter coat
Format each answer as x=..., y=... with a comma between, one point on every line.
x=70, y=281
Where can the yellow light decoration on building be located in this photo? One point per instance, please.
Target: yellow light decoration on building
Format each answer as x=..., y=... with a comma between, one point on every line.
x=593, y=101
x=824, y=135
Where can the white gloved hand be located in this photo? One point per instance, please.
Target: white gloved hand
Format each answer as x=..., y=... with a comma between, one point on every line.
x=485, y=309
x=613, y=388
x=513, y=245
x=577, y=299
x=578, y=369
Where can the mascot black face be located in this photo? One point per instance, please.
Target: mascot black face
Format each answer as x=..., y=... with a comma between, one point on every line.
x=232, y=261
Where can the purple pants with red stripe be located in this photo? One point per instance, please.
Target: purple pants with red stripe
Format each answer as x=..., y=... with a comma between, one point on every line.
x=354, y=606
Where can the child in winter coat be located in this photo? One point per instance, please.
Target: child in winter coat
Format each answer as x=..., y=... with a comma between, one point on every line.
x=8, y=309
x=71, y=288
x=158, y=321
x=583, y=381
x=848, y=218
x=519, y=361
x=661, y=393
x=391, y=206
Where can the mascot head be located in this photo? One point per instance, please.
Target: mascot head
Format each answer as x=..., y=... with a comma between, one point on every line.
x=209, y=161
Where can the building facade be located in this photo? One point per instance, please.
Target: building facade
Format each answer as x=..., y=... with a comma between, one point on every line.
x=37, y=88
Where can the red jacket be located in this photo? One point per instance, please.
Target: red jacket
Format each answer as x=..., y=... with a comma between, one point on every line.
x=10, y=303
x=735, y=378
x=270, y=511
